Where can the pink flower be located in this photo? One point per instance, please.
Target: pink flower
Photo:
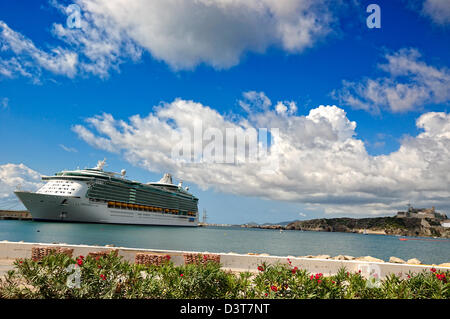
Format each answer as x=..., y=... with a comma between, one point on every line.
x=273, y=288
x=294, y=270
x=260, y=268
x=181, y=275
x=433, y=269
x=103, y=277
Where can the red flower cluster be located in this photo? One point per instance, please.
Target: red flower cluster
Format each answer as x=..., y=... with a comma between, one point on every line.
x=80, y=261
x=181, y=275
x=273, y=288
x=103, y=277
x=289, y=261
x=260, y=268
x=294, y=270
x=317, y=277
x=167, y=257
x=441, y=277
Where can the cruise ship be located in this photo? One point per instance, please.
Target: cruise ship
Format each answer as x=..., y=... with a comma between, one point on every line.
x=93, y=195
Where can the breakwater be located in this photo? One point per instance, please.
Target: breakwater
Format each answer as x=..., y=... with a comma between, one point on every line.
x=15, y=215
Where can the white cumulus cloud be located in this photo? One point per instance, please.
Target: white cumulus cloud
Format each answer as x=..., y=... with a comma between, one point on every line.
x=320, y=160
x=13, y=176
x=181, y=33
x=186, y=33
x=437, y=10
x=4, y=103
x=21, y=56
x=409, y=84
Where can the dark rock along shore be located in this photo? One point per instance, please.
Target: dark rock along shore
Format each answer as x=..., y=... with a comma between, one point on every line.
x=423, y=227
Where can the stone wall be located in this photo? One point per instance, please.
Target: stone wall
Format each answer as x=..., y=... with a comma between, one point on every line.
x=240, y=262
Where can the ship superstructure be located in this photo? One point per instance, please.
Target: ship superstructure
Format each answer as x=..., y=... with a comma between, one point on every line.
x=97, y=196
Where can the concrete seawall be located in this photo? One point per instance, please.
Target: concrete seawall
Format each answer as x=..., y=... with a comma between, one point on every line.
x=9, y=251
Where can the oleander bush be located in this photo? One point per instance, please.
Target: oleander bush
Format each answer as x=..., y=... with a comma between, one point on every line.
x=59, y=276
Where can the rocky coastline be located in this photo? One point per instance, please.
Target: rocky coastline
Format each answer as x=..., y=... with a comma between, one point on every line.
x=414, y=227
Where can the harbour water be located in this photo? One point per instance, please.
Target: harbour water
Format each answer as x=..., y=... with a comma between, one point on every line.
x=228, y=239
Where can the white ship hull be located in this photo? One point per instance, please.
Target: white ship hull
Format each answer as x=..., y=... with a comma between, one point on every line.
x=78, y=209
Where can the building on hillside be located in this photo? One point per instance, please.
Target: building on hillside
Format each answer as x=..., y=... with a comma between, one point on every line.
x=421, y=213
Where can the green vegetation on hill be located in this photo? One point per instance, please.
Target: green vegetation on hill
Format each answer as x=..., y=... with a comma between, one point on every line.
x=387, y=225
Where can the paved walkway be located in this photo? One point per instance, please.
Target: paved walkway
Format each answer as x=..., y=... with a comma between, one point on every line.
x=5, y=265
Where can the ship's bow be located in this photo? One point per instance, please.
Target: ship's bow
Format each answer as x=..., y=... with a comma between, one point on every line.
x=40, y=206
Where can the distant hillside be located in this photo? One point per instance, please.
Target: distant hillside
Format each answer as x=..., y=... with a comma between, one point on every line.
x=425, y=227
x=375, y=225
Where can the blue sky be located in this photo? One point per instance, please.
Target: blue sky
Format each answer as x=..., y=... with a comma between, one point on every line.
x=40, y=109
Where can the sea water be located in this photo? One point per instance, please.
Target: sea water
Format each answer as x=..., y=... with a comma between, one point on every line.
x=229, y=239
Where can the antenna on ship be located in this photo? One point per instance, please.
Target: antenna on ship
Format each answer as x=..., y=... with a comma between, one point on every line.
x=204, y=216
x=100, y=165
x=180, y=184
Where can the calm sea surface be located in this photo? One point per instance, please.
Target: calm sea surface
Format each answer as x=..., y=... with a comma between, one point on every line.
x=228, y=239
